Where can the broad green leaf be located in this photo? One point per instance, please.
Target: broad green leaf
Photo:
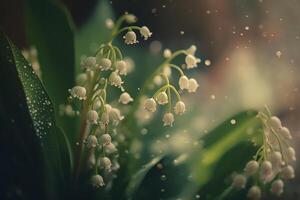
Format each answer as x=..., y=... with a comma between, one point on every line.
x=92, y=33
x=38, y=164
x=49, y=28
x=138, y=177
x=219, y=145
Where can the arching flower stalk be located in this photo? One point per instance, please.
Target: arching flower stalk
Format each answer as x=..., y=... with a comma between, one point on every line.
x=164, y=95
x=272, y=162
x=97, y=145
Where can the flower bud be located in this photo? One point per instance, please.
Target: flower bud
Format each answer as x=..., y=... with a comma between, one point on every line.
x=288, y=172
x=88, y=62
x=285, y=132
x=92, y=116
x=104, y=64
x=145, y=32
x=125, y=98
x=92, y=141
x=104, y=119
x=291, y=154
x=109, y=23
x=239, y=181
x=183, y=82
x=275, y=123
x=106, y=139
x=115, y=79
x=121, y=67
x=150, y=105
x=191, y=50
x=167, y=53
x=191, y=61
x=277, y=187
x=276, y=159
x=162, y=98
x=105, y=163
x=130, y=37
x=179, y=108
x=130, y=18
x=168, y=119
x=251, y=167
x=266, y=172
x=78, y=92
x=193, y=85
x=97, y=181
x=254, y=193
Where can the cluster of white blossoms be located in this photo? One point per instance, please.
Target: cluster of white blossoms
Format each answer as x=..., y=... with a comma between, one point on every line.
x=103, y=70
x=272, y=163
x=163, y=95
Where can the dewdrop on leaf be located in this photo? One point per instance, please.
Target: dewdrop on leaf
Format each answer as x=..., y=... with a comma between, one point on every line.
x=130, y=38
x=145, y=32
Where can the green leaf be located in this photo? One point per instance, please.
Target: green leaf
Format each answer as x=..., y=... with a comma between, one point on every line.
x=226, y=149
x=34, y=146
x=49, y=28
x=139, y=176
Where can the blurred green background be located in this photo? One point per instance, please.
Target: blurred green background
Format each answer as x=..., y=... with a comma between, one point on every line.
x=252, y=45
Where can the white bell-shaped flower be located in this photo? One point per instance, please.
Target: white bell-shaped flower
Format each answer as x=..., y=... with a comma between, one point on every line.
x=104, y=119
x=107, y=107
x=275, y=123
x=78, y=92
x=104, y=64
x=168, y=119
x=162, y=98
x=115, y=115
x=92, y=117
x=239, y=181
x=276, y=159
x=105, y=163
x=115, y=79
x=277, y=187
x=179, y=108
x=291, y=154
x=92, y=141
x=130, y=38
x=88, y=63
x=285, y=132
x=97, y=104
x=183, y=82
x=266, y=171
x=254, y=193
x=288, y=172
x=145, y=32
x=97, y=181
x=109, y=23
x=150, y=105
x=191, y=61
x=125, y=98
x=193, y=85
x=121, y=67
x=251, y=167
x=110, y=148
x=106, y=139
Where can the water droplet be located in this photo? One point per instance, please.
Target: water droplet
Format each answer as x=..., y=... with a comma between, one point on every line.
x=163, y=177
